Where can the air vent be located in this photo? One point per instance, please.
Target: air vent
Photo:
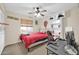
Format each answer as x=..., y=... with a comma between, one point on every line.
x=11, y=17
x=60, y=15
x=51, y=18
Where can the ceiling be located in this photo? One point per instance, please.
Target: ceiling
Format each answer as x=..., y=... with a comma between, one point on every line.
x=24, y=8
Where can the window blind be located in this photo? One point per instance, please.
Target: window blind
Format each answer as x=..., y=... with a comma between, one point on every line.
x=26, y=22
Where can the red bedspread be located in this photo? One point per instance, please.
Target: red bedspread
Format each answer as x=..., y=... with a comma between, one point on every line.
x=32, y=38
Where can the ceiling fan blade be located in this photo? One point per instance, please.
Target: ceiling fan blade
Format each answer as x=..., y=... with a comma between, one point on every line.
x=31, y=12
x=44, y=11
x=42, y=14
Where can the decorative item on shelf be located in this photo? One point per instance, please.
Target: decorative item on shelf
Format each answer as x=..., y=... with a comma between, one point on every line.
x=3, y=23
x=58, y=26
x=51, y=25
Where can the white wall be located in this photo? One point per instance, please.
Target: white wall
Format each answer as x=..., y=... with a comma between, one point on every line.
x=2, y=27
x=73, y=21
x=12, y=31
x=40, y=26
x=2, y=32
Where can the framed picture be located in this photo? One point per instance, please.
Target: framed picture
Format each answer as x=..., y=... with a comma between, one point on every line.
x=36, y=22
x=45, y=23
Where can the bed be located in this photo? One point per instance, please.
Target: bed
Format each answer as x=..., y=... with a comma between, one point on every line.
x=33, y=39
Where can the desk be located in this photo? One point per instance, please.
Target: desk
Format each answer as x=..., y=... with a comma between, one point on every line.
x=57, y=49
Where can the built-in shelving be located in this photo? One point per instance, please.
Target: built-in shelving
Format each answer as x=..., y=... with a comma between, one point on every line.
x=56, y=25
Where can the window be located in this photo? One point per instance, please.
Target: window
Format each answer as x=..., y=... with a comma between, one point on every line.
x=26, y=30
x=26, y=26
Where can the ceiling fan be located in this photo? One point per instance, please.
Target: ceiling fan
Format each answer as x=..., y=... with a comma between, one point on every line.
x=37, y=11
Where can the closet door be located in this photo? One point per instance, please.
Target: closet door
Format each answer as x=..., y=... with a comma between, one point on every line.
x=1, y=32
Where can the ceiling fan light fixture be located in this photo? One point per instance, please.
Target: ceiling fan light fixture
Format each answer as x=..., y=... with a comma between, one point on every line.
x=37, y=14
x=35, y=9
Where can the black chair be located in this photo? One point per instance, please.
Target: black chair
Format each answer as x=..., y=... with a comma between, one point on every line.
x=50, y=37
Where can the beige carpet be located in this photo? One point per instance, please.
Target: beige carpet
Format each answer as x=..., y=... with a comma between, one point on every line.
x=19, y=49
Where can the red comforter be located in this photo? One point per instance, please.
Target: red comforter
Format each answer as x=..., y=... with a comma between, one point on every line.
x=32, y=38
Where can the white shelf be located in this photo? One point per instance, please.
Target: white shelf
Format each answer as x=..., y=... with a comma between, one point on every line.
x=55, y=27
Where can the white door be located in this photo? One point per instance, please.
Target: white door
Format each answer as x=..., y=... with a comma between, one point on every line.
x=1, y=32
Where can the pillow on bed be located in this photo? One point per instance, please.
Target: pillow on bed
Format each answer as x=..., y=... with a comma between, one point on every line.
x=40, y=33
x=37, y=33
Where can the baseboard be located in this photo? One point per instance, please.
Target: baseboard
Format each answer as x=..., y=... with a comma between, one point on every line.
x=12, y=43
x=1, y=50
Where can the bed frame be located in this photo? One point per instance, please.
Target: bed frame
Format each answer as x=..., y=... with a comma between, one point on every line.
x=37, y=43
